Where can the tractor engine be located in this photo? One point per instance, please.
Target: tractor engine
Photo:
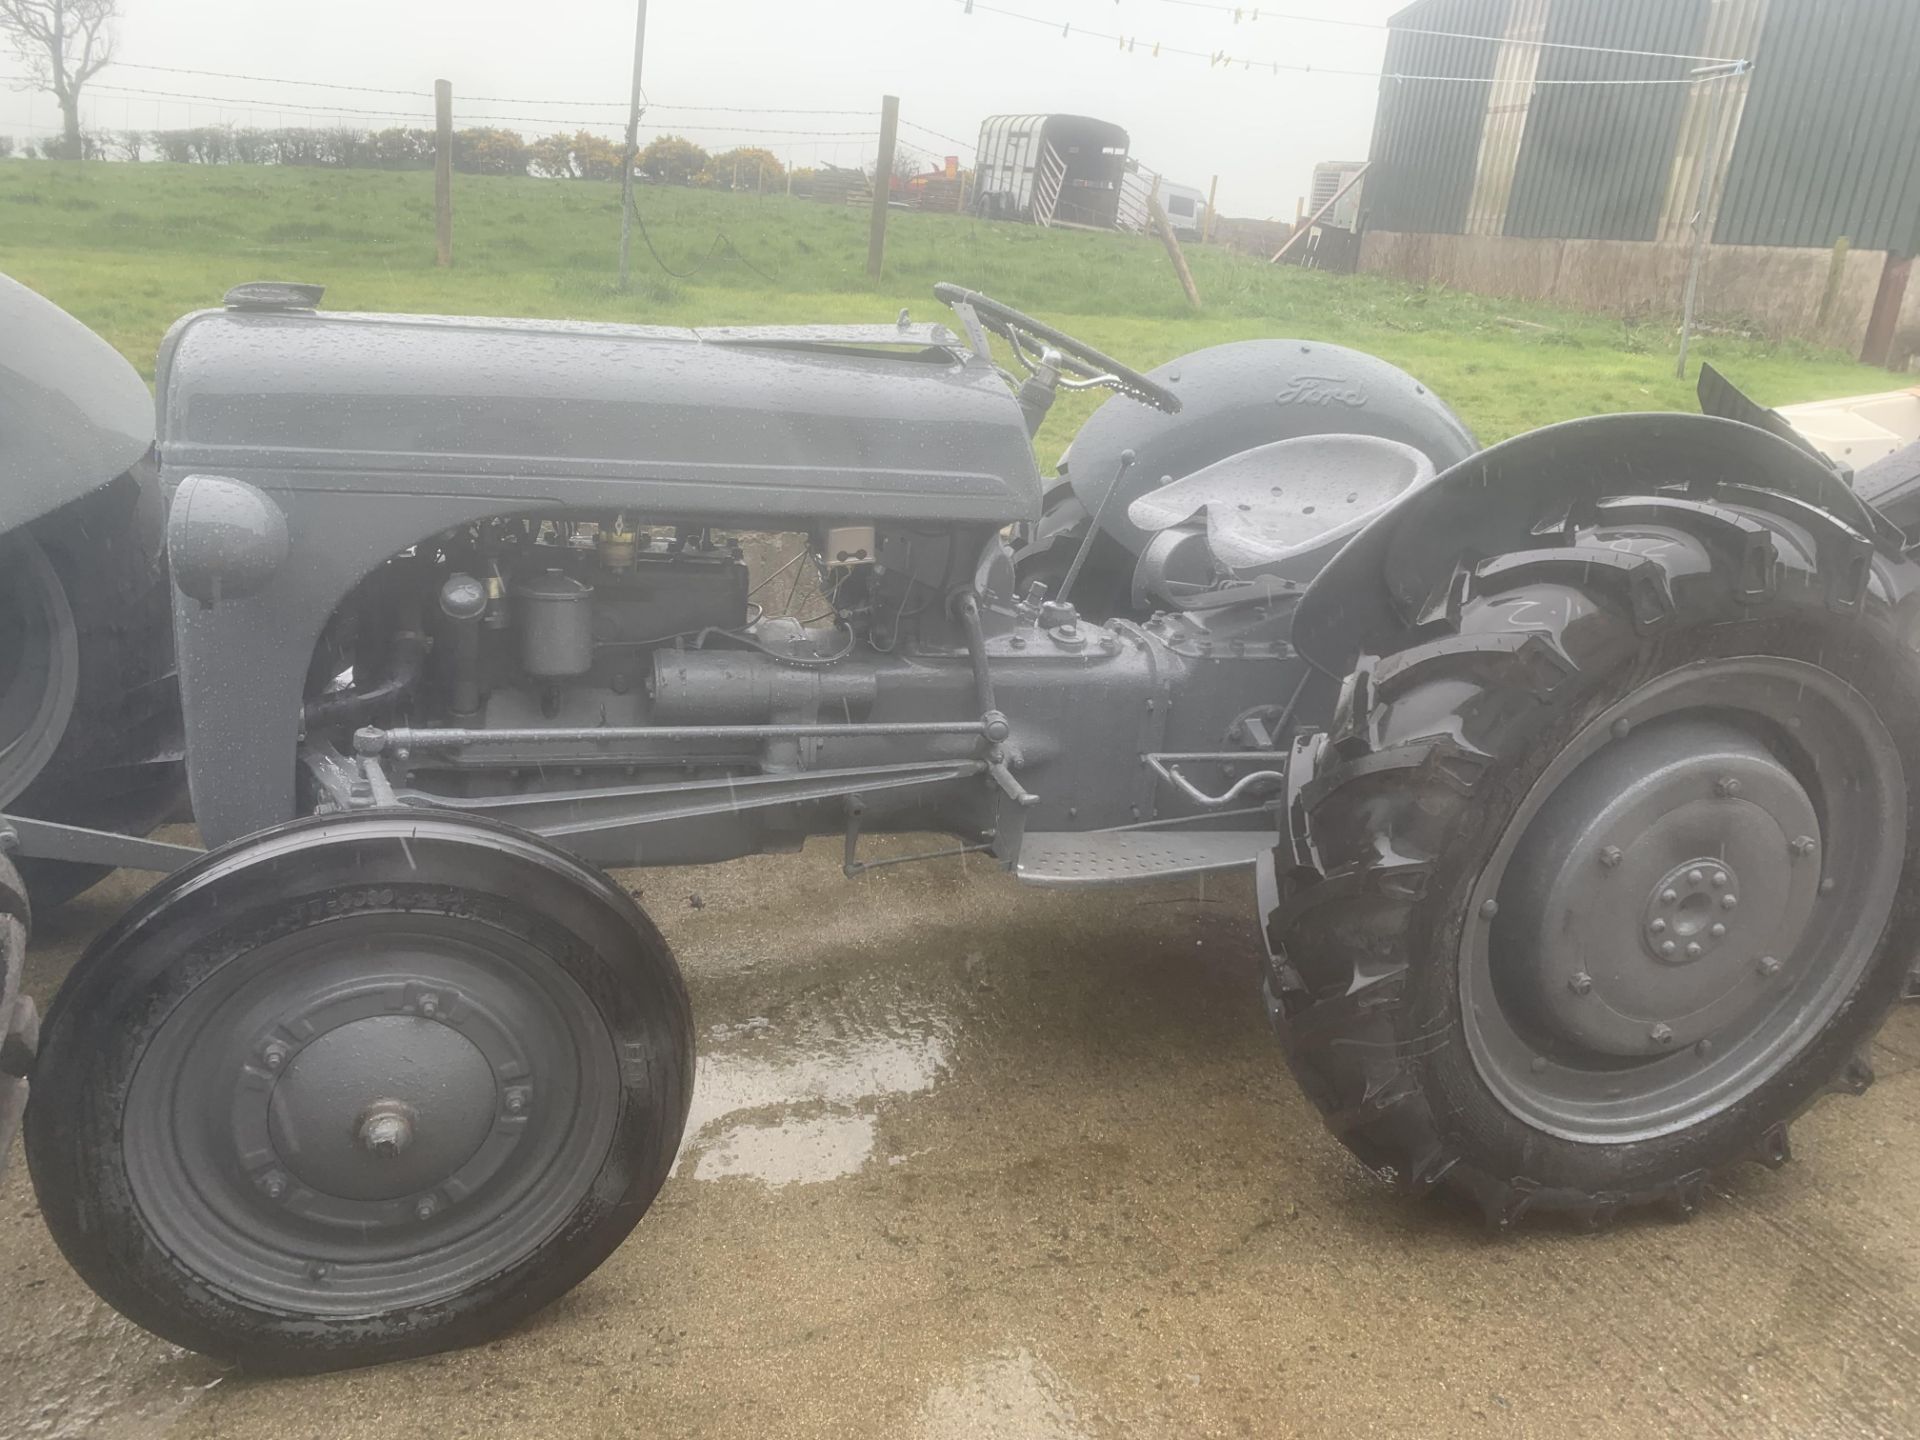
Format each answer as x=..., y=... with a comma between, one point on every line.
x=672, y=691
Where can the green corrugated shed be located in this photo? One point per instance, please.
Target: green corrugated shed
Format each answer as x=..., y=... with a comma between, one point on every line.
x=1827, y=143
x=1595, y=159
x=1830, y=142
x=1426, y=136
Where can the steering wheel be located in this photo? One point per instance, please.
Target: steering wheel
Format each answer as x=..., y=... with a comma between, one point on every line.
x=1092, y=369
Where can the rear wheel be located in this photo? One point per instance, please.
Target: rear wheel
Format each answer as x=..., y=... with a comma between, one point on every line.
x=19, y=1023
x=354, y=1090
x=39, y=662
x=1608, y=873
x=89, y=714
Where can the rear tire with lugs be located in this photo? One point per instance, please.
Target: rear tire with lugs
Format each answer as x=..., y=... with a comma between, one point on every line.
x=1607, y=872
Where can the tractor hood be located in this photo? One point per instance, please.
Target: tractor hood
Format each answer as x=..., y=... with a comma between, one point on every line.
x=871, y=422
x=73, y=412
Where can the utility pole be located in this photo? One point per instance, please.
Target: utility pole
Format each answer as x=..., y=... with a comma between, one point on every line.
x=633, y=144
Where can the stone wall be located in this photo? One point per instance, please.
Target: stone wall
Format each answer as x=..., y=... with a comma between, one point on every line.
x=1776, y=292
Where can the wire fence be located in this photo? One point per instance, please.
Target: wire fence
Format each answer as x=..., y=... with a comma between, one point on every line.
x=184, y=98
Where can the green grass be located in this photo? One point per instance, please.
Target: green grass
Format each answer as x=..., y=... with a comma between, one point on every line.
x=129, y=248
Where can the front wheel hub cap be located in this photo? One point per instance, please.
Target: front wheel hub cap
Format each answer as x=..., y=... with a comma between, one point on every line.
x=337, y=1124
x=1672, y=934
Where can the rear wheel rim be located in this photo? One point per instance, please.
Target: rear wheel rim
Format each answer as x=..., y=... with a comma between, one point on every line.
x=372, y=1114
x=1684, y=901
x=39, y=663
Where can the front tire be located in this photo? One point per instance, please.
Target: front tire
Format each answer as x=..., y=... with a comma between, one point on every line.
x=356, y=1090
x=1607, y=872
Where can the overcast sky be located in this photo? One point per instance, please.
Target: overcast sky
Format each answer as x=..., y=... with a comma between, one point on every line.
x=1261, y=132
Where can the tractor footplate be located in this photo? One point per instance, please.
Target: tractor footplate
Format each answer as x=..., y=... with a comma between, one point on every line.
x=1112, y=857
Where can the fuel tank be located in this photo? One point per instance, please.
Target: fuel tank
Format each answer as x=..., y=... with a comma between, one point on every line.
x=743, y=425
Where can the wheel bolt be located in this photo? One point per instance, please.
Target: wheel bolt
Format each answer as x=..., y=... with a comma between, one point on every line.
x=429, y=1005
x=1729, y=901
x=274, y=1056
x=424, y=1207
x=1667, y=947
x=1719, y=877
x=1693, y=949
x=1703, y=1049
x=1718, y=930
x=1726, y=788
x=1826, y=886
x=1657, y=925
x=1662, y=1034
x=1769, y=965
x=1621, y=729
x=1667, y=897
x=1696, y=877
x=1611, y=856
x=1581, y=984
x=275, y=1186
x=516, y=1102
x=1489, y=909
x=1804, y=845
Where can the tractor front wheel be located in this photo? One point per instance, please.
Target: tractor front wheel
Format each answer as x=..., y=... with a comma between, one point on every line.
x=1608, y=873
x=359, y=1089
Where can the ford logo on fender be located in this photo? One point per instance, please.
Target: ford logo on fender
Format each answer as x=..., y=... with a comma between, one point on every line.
x=1320, y=390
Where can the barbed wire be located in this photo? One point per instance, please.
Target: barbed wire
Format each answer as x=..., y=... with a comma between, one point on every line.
x=247, y=102
x=929, y=130
x=1253, y=13
x=537, y=101
x=267, y=79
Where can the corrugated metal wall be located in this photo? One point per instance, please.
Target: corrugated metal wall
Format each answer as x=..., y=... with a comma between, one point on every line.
x=1830, y=141
x=1426, y=134
x=1828, y=126
x=1596, y=158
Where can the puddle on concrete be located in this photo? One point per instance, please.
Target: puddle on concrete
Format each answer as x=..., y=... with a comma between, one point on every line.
x=790, y=1152
x=85, y=1372
x=821, y=1077
x=1009, y=1397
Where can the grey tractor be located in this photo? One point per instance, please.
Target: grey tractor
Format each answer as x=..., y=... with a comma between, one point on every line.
x=1575, y=774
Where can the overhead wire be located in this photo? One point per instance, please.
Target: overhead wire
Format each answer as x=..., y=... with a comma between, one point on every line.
x=1252, y=13
x=1223, y=59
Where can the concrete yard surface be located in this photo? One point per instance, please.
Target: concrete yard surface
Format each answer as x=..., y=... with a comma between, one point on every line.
x=973, y=1160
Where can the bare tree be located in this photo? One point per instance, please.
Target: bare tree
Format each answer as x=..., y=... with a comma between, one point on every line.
x=64, y=43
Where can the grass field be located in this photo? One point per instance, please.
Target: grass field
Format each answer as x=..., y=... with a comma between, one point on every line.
x=129, y=248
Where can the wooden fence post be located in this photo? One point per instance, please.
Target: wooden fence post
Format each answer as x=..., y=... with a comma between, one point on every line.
x=443, y=172
x=1206, y=226
x=1172, y=242
x=1884, y=321
x=882, y=184
x=1836, y=272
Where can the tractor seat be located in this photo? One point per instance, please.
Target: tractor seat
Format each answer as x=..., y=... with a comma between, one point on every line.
x=1283, y=509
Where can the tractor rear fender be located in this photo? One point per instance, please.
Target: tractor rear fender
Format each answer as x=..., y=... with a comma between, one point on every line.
x=1509, y=497
x=73, y=413
x=1238, y=397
